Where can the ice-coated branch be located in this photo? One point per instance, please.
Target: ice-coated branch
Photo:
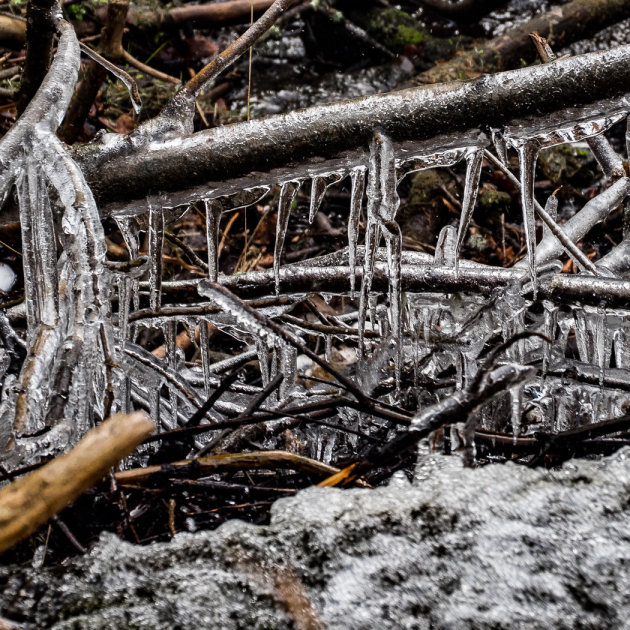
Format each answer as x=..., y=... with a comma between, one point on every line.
x=610, y=162
x=119, y=170
x=47, y=108
x=177, y=115
x=67, y=297
x=419, y=276
x=594, y=211
x=451, y=410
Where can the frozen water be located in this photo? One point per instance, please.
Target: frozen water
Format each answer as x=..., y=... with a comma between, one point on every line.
x=356, y=202
x=288, y=193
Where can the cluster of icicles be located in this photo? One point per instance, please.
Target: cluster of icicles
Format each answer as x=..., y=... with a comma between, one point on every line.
x=415, y=338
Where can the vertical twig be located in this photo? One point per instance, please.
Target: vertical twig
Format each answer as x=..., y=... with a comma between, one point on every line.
x=40, y=34
x=112, y=49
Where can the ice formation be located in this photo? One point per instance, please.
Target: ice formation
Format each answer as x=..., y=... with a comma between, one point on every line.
x=417, y=320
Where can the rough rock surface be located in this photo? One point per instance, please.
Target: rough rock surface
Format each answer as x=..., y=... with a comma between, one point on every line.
x=499, y=547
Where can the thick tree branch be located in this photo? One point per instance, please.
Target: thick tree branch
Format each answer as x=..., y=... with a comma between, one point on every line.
x=121, y=170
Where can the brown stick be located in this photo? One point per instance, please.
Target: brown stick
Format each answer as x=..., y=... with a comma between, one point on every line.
x=233, y=461
x=12, y=31
x=28, y=503
x=112, y=50
x=560, y=26
x=201, y=14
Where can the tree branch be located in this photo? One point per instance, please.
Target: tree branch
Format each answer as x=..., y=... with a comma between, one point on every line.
x=28, y=503
x=121, y=170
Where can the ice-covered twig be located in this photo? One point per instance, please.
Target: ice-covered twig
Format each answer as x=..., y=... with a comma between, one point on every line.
x=126, y=79
x=556, y=231
x=594, y=211
x=327, y=130
x=454, y=409
x=261, y=326
x=177, y=116
x=417, y=278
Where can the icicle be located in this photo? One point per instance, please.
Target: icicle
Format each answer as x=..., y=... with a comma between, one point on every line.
x=262, y=351
x=500, y=146
x=356, y=200
x=288, y=367
x=330, y=447
x=124, y=286
x=204, y=351
x=154, y=405
x=459, y=371
x=213, y=208
x=516, y=394
x=551, y=208
x=156, y=242
x=318, y=190
x=622, y=347
x=125, y=395
x=128, y=227
x=328, y=348
x=39, y=250
x=383, y=204
x=527, y=154
x=474, y=160
x=446, y=248
x=320, y=185
x=585, y=334
x=170, y=347
x=602, y=341
x=549, y=330
x=273, y=368
x=288, y=192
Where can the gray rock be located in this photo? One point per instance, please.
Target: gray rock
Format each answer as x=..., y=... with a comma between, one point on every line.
x=498, y=547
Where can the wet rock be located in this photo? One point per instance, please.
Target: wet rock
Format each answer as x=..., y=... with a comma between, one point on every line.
x=498, y=547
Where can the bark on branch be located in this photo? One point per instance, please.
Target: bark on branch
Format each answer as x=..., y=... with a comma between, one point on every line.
x=28, y=503
x=122, y=170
